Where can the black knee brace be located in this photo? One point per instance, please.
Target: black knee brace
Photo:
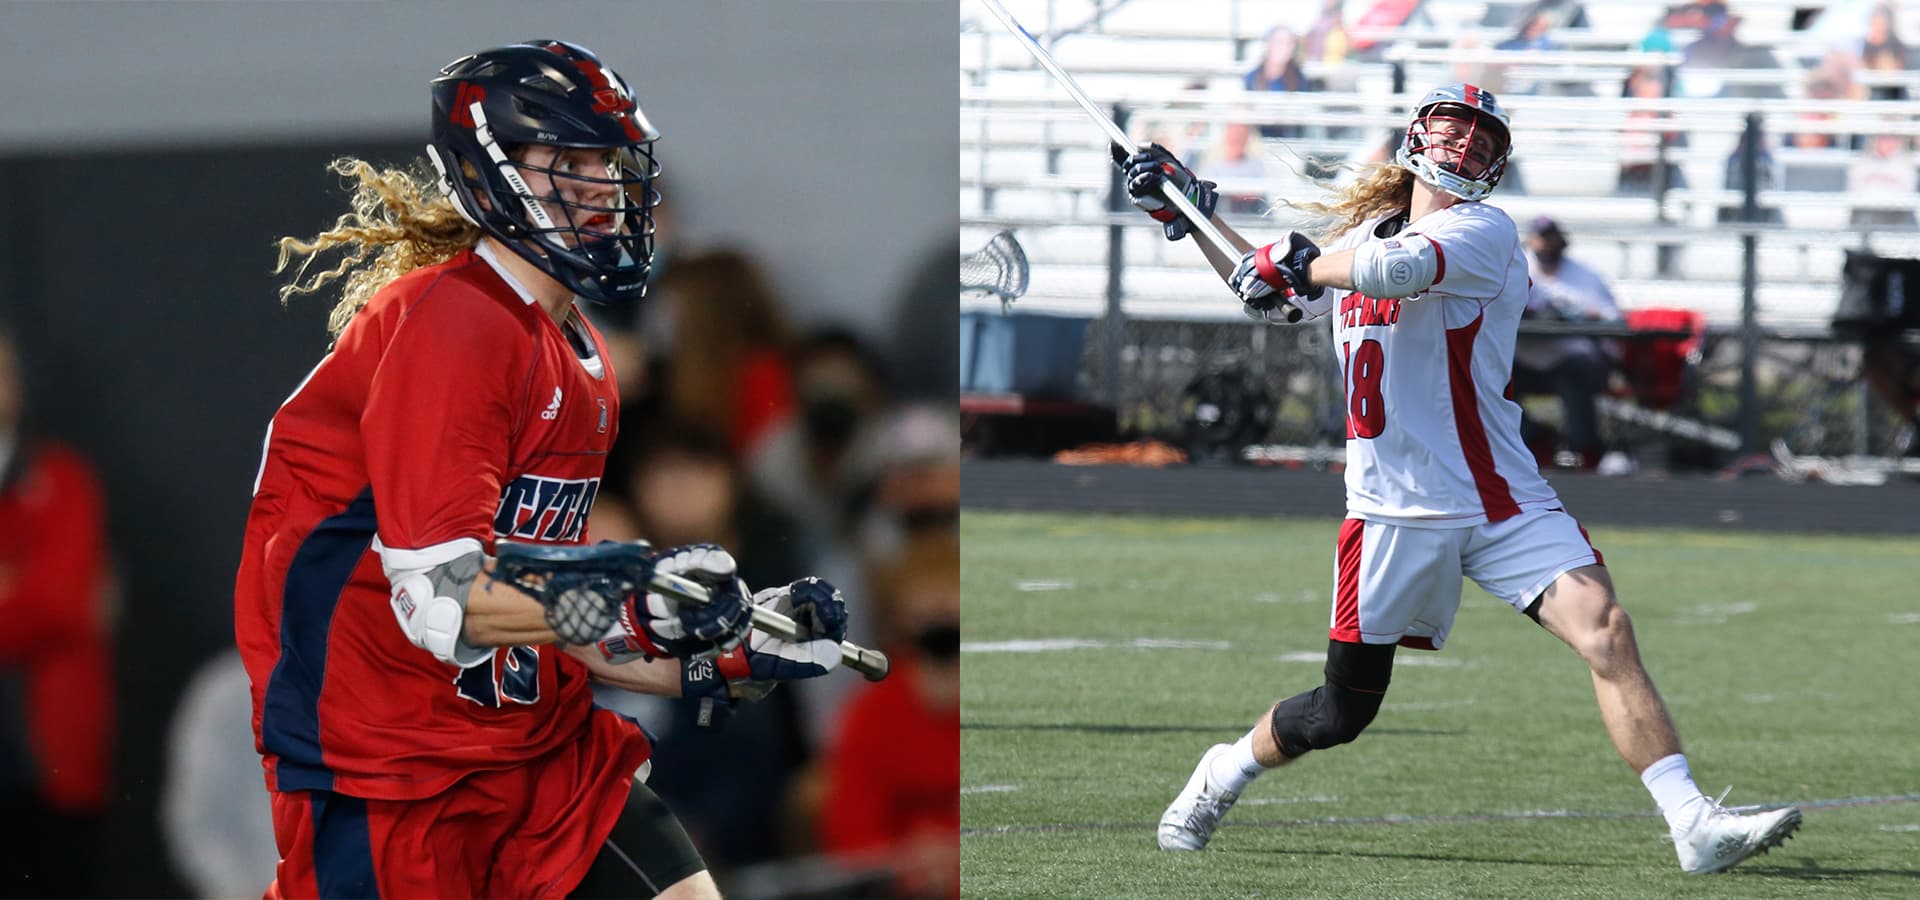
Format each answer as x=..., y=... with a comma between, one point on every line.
x=1337, y=711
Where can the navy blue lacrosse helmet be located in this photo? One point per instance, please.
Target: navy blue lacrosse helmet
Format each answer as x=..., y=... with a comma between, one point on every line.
x=489, y=105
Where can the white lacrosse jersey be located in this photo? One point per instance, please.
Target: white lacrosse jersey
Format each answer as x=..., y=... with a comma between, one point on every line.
x=1433, y=434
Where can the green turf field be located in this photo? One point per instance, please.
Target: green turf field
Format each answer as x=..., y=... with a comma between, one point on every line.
x=1103, y=654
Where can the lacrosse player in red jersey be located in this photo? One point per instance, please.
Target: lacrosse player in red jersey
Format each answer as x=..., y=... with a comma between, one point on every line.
x=1426, y=285
x=427, y=730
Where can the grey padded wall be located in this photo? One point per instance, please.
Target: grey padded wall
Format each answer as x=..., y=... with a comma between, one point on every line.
x=822, y=132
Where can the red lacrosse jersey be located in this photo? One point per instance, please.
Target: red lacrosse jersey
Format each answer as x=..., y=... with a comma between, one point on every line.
x=452, y=411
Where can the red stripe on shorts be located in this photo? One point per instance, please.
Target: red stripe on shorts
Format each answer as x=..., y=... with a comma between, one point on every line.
x=1597, y=558
x=1346, y=582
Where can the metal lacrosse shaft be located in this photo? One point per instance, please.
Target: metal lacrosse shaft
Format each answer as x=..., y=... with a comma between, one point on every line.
x=1203, y=228
x=870, y=663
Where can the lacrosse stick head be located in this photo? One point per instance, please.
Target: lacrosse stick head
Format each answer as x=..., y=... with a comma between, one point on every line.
x=581, y=587
x=999, y=269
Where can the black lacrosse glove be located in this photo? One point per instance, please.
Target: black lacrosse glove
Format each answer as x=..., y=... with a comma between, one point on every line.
x=1147, y=169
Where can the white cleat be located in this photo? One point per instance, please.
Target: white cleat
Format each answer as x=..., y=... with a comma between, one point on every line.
x=1719, y=837
x=1189, y=822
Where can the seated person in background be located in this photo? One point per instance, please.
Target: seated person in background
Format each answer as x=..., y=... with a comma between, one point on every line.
x=1279, y=70
x=891, y=797
x=1640, y=141
x=1886, y=172
x=1232, y=163
x=1883, y=51
x=1572, y=367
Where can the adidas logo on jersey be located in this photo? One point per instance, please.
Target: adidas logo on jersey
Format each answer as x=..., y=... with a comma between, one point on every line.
x=553, y=409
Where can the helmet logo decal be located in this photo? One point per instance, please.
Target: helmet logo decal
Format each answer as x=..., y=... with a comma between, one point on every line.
x=608, y=99
x=464, y=99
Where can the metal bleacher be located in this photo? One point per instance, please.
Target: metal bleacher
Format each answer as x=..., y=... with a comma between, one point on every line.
x=1030, y=159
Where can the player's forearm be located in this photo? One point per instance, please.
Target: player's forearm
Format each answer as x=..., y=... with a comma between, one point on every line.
x=1333, y=270
x=660, y=677
x=499, y=616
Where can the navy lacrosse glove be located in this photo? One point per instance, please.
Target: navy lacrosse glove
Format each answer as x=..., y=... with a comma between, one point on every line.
x=754, y=669
x=1146, y=169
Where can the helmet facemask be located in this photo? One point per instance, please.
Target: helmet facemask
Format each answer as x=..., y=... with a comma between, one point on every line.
x=1457, y=149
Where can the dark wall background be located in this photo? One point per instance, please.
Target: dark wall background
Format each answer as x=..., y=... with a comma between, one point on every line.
x=157, y=345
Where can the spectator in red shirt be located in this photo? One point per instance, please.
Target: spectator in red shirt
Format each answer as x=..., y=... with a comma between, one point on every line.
x=893, y=781
x=56, y=692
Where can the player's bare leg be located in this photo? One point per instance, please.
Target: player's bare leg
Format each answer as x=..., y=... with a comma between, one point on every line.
x=698, y=886
x=1581, y=609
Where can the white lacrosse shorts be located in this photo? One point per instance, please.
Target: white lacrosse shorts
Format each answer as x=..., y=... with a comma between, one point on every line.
x=1401, y=584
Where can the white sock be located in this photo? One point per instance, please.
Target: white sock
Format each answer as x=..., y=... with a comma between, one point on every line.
x=1233, y=770
x=1671, y=785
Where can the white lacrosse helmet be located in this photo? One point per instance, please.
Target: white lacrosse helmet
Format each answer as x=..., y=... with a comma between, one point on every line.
x=1470, y=110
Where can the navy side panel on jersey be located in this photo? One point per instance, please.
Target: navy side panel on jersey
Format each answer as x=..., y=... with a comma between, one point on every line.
x=290, y=719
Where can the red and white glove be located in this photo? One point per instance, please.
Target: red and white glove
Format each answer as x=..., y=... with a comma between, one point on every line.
x=656, y=625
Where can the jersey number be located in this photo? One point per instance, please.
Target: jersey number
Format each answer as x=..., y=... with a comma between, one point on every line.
x=513, y=673
x=1366, y=409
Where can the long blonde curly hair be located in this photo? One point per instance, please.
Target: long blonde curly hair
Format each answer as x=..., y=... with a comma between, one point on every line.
x=399, y=221
x=1380, y=187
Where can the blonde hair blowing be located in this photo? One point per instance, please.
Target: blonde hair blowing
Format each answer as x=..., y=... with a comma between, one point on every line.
x=1380, y=187
x=399, y=222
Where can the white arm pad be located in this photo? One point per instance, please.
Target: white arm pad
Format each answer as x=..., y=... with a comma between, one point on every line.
x=431, y=606
x=1396, y=267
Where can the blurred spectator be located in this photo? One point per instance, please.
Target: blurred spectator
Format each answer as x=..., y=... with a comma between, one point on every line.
x=810, y=472
x=1885, y=170
x=729, y=369
x=1327, y=41
x=1279, y=71
x=56, y=697
x=1185, y=140
x=1719, y=47
x=1825, y=84
x=1532, y=34
x=1574, y=368
x=892, y=788
x=1231, y=164
x=1882, y=51
x=1641, y=137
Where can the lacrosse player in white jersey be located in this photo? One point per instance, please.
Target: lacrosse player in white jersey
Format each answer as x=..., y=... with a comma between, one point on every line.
x=1426, y=285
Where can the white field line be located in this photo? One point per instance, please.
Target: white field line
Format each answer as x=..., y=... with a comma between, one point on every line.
x=990, y=789
x=1048, y=645
x=1444, y=818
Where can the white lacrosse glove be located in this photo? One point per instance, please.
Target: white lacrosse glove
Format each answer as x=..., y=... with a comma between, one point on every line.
x=660, y=626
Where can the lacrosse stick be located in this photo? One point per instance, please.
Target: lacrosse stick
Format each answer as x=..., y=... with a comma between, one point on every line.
x=999, y=268
x=1203, y=228
x=555, y=574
